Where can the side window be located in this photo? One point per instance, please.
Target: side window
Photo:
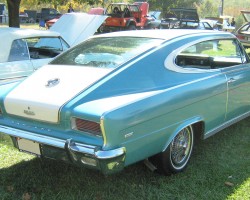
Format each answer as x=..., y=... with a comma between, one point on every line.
x=206, y=25
x=245, y=28
x=48, y=47
x=65, y=46
x=211, y=54
x=18, y=51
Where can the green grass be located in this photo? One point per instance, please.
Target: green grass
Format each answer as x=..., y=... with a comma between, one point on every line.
x=219, y=169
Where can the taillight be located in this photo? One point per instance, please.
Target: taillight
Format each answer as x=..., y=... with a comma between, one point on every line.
x=1, y=112
x=86, y=126
x=241, y=37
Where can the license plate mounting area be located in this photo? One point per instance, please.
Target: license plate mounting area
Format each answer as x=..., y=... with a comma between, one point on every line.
x=29, y=146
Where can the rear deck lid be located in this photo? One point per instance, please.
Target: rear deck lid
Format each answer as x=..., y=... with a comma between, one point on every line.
x=42, y=94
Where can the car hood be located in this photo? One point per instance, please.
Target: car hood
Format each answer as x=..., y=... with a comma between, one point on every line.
x=41, y=95
x=246, y=15
x=77, y=27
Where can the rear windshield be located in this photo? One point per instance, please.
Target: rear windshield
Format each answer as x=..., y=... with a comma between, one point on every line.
x=105, y=52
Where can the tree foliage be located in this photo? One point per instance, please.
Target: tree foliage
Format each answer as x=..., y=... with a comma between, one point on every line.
x=165, y=5
x=205, y=7
x=208, y=8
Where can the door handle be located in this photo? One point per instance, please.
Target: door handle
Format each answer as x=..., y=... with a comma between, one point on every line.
x=231, y=80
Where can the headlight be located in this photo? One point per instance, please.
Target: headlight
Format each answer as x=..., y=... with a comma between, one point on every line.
x=86, y=126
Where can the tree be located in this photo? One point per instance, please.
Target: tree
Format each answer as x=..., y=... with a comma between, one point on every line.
x=13, y=10
x=165, y=5
x=208, y=8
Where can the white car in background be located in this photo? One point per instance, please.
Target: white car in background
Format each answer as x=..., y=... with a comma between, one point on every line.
x=243, y=33
x=26, y=50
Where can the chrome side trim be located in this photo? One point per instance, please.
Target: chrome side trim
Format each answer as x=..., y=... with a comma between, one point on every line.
x=64, y=144
x=226, y=124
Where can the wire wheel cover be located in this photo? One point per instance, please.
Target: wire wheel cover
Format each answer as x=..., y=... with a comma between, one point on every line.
x=181, y=148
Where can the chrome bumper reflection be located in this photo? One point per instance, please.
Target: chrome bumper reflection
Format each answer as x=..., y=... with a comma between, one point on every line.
x=107, y=161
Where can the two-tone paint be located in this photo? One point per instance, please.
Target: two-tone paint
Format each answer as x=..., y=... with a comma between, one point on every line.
x=140, y=106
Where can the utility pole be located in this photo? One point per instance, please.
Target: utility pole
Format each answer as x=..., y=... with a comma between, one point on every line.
x=222, y=7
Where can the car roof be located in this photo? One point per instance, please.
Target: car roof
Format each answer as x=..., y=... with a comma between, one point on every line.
x=17, y=33
x=165, y=34
x=9, y=34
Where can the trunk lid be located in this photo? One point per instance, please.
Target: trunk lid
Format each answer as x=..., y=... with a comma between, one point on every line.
x=41, y=95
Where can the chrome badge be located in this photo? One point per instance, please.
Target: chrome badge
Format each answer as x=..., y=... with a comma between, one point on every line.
x=52, y=82
x=29, y=111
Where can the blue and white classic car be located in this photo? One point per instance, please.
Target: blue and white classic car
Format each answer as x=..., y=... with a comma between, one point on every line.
x=123, y=97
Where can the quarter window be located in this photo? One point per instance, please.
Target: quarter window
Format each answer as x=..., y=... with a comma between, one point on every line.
x=245, y=29
x=211, y=54
x=18, y=51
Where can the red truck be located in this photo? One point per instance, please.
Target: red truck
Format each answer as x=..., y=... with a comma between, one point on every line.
x=123, y=16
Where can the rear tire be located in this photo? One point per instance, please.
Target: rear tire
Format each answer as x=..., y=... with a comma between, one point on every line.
x=177, y=155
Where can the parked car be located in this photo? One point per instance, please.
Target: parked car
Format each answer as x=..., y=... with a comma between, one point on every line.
x=25, y=50
x=202, y=24
x=180, y=18
x=47, y=14
x=123, y=97
x=96, y=11
x=243, y=33
x=124, y=16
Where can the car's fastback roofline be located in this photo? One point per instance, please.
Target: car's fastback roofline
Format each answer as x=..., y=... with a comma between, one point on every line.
x=165, y=34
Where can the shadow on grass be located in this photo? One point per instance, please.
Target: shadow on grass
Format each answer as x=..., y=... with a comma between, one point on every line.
x=218, y=168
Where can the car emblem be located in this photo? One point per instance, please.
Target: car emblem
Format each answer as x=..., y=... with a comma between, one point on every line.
x=52, y=82
x=29, y=111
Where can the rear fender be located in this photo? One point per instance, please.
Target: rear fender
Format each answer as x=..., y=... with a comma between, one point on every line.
x=182, y=125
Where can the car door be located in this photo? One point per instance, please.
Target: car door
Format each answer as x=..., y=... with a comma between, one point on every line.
x=238, y=80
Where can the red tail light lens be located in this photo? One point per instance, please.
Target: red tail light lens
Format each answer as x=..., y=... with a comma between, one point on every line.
x=86, y=126
x=241, y=37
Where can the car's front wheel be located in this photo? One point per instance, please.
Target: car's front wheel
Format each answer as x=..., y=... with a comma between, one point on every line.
x=176, y=157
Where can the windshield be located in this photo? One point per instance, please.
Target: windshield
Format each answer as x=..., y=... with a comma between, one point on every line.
x=107, y=52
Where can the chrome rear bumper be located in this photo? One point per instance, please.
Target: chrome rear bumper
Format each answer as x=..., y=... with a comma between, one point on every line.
x=107, y=161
